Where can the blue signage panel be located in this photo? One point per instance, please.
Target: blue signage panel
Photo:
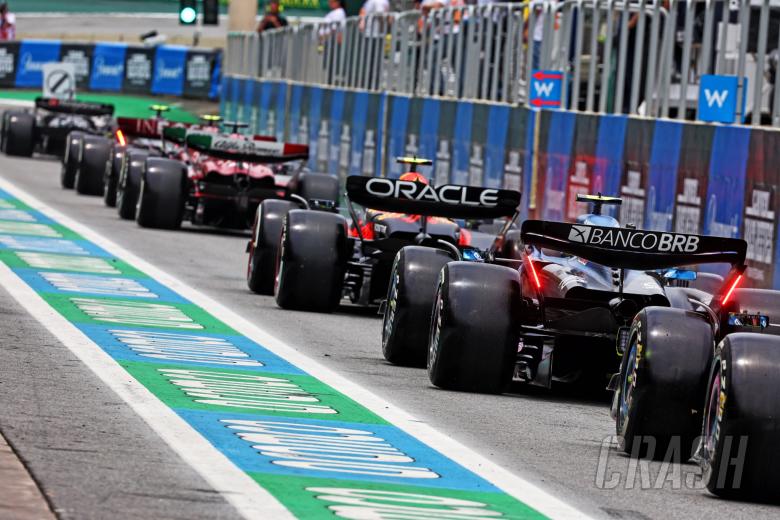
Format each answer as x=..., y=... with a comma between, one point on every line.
x=718, y=98
x=546, y=89
x=169, y=70
x=108, y=66
x=32, y=56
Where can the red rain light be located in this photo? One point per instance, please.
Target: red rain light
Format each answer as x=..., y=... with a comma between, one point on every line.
x=533, y=272
x=731, y=289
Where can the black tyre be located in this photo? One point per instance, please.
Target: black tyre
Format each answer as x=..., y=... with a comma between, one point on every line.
x=129, y=184
x=95, y=158
x=407, y=319
x=475, y=327
x=738, y=454
x=310, y=273
x=20, y=134
x=71, y=160
x=111, y=179
x=662, y=378
x=315, y=186
x=162, y=194
x=264, y=246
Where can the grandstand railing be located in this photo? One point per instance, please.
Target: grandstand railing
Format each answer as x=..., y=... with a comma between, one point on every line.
x=644, y=57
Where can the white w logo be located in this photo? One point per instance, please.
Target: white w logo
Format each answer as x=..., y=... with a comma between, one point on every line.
x=716, y=97
x=543, y=89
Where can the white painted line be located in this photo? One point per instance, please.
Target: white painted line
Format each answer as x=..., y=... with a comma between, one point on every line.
x=518, y=487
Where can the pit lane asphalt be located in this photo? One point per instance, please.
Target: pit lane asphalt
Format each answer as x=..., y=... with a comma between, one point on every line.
x=552, y=439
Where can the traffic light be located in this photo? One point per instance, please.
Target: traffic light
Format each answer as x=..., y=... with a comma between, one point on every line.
x=210, y=12
x=188, y=12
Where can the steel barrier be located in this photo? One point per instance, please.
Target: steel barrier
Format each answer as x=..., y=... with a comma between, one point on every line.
x=643, y=57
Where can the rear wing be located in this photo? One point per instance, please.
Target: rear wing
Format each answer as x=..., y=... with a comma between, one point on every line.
x=74, y=107
x=148, y=128
x=252, y=150
x=635, y=249
x=415, y=198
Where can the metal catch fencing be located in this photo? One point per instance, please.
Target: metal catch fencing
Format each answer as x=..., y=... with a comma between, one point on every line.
x=643, y=57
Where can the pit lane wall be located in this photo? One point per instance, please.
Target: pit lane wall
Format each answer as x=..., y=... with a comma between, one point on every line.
x=686, y=177
x=116, y=67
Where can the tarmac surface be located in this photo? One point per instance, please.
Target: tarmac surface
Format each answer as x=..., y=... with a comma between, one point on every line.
x=93, y=458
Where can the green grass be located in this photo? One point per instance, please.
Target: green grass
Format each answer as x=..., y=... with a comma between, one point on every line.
x=124, y=105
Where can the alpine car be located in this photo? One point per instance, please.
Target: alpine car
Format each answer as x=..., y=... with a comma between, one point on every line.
x=310, y=260
x=46, y=128
x=225, y=180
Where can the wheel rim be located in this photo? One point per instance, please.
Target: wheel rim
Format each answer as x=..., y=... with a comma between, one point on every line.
x=712, y=419
x=433, y=349
x=627, y=383
x=392, y=302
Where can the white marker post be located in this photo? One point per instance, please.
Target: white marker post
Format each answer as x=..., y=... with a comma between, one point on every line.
x=59, y=80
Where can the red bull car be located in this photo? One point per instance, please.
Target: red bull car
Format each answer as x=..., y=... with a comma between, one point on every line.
x=310, y=260
x=224, y=181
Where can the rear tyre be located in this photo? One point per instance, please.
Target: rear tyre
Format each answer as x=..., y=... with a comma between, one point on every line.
x=738, y=453
x=312, y=262
x=316, y=186
x=663, y=375
x=475, y=328
x=111, y=178
x=264, y=246
x=162, y=193
x=20, y=134
x=410, y=296
x=95, y=157
x=129, y=183
x=71, y=159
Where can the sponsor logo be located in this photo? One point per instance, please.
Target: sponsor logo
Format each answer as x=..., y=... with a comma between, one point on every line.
x=247, y=147
x=104, y=69
x=198, y=69
x=139, y=67
x=634, y=239
x=164, y=72
x=6, y=62
x=30, y=65
x=448, y=194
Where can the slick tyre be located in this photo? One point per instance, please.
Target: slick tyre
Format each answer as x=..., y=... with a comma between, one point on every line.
x=264, y=246
x=162, y=193
x=95, y=158
x=738, y=452
x=312, y=261
x=407, y=317
x=111, y=178
x=316, y=186
x=129, y=183
x=71, y=159
x=20, y=134
x=475, y=328
x=663, y=374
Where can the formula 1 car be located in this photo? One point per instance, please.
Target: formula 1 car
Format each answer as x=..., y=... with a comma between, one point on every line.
x=319, y=260
x=225, y=181
x=46, y=128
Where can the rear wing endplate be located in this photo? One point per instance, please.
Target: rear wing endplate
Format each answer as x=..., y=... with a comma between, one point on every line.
x=415, y=198
x=635, y=249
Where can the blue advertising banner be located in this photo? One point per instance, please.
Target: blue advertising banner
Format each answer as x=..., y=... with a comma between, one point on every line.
x=429, y=128
x=281, y=108
x=168, y=75
x=108, y=67
x=664, y=159
x=32, y=56
x=495, y=144
x=294, y=115
x=246, y=103
x=726, y=187
x=315, y=107
x=608, y=165
x=335, y=137
x=396, y=133
x=461, y=143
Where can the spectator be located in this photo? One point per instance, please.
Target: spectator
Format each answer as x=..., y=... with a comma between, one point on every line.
x=336, y=15
x=7, y=23
x=374, y=30
x=272, y=19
